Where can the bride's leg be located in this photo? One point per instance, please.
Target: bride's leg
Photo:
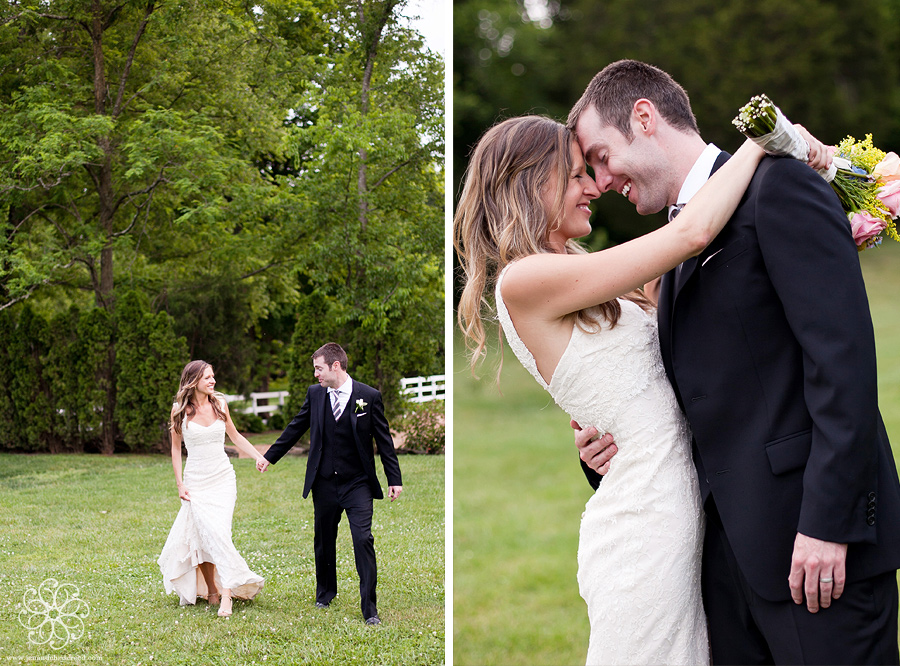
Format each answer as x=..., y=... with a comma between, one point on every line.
x=225, y=608
x=208, y=569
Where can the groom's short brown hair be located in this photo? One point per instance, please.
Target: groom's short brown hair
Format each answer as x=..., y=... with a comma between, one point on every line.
x=615, y=89
x=331, y=352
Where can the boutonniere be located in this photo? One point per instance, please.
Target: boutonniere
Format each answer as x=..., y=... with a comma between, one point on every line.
x=360, y=405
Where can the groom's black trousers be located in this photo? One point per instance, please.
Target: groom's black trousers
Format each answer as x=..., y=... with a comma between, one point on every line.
x=858, y=628
x=333, y=496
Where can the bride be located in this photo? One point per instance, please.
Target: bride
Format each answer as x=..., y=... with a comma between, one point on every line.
x=584, y=327
x=199, y=558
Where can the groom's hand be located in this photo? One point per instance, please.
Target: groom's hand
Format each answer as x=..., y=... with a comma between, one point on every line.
x=262, y=465
x=394, y=492
x=817, y=569
x=595, y=453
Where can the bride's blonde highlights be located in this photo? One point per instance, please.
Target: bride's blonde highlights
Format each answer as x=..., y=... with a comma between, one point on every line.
x=501, y=216
x=187, y=400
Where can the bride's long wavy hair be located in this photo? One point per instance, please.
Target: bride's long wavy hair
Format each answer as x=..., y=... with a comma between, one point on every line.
x=501, y=217
x=187, y=399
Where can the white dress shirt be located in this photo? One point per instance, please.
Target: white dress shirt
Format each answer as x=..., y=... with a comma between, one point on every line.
x=343, y=392
x=697, y=176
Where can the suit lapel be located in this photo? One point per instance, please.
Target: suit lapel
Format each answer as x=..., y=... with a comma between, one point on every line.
x=687, y=270
x=351, y=405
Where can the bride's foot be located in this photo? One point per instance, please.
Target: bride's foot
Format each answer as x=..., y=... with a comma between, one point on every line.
x=225, y=607
x=213, y=598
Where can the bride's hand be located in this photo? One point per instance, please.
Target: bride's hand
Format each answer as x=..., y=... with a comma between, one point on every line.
x=819, y=154
x=183, y=493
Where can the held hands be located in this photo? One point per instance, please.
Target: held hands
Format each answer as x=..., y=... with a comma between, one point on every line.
x=262, y=464
x=817, y=569
x=595, y=452
x=394, y=492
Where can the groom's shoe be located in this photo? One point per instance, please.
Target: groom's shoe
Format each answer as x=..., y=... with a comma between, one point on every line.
x=319, y=604
x=373, y=621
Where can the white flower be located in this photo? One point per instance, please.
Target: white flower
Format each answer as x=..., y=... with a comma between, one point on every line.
x=361, y=405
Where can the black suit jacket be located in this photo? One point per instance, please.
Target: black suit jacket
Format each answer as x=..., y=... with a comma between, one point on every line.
x=768, y=341
x=368, y=423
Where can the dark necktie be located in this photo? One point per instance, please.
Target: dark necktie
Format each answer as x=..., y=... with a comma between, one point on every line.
x=673, y=213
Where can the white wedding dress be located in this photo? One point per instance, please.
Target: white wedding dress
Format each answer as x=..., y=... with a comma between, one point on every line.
x=642, y=531
x=202, y=528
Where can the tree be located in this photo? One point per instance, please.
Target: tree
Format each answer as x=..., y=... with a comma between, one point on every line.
x=376, y=251
x=206, y=154
x=128, y=130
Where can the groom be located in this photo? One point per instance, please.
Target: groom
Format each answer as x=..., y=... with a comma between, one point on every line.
x=344, y=417
x=767, y=340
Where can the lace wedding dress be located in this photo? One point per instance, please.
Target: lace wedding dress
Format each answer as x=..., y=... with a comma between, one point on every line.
x=202, y=528
x=642, y=531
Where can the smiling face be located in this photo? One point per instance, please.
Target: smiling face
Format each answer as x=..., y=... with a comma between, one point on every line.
x=638, y=169
x=575, y=217
x=207, y=383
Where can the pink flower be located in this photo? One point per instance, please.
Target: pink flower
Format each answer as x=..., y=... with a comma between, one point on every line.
x=890, y=197
x=887, y=169
x=865, y=227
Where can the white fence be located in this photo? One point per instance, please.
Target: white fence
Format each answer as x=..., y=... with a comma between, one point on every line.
x=423, y=389
x=256, y=408
x=420, y=389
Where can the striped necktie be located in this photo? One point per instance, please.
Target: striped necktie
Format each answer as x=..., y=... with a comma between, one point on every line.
x=336, y=403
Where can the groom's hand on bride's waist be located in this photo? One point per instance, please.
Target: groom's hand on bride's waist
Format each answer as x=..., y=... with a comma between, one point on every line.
x=594, y=451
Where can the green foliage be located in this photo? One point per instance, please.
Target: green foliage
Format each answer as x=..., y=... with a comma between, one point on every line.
x=376, y=245
x=149, y=359
x=424, y=426
x=54, y=376
x=276, y=421
x=225, y=160
x=32, y=405
x=8, y=419
x=76, y=364
x=314, y=328
x=246, y=422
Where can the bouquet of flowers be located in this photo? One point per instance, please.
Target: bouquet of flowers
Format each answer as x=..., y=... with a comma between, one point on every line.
x=866, y=179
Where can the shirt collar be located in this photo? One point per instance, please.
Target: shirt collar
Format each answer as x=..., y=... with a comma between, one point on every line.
x=346, y=387
x=698, y=174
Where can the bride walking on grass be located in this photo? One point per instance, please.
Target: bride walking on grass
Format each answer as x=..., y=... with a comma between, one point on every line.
x=199, y=558
x=584, y=327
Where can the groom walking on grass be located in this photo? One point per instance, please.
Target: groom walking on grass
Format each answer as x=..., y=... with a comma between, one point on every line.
x=768, y=342
x=344, y=418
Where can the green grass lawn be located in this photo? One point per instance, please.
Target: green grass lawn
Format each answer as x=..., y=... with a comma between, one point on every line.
x=518, y=494
x=99, y=523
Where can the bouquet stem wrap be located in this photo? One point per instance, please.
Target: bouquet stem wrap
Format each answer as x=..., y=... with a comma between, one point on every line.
x=783, y=138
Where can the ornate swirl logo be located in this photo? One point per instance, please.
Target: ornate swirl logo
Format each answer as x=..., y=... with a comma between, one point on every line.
x=53, y=613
